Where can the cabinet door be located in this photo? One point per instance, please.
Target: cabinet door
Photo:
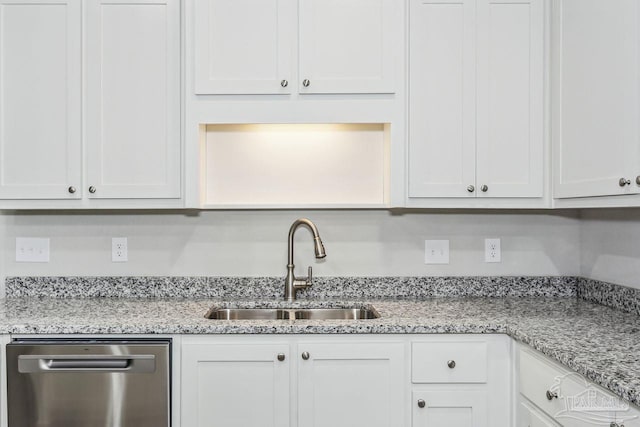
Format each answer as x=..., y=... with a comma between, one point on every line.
x=595, y=119
x=346, y=385
x=510, y=78
x=133, y=98
x=628, y=418
x=459, y=408
x=348, y=46
x=235, y=385
x=442, y=98
x=40, y=99
x=528, y=416
x=244, y=46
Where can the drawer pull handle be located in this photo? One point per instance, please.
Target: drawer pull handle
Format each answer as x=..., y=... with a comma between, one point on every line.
x=451, y=364
x=421, y=403
x=281, y=357
x=551, y=395
x=306, y=355
x=616, y=425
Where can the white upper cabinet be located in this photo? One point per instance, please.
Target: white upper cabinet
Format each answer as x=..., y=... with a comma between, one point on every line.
x=596, y=97
x=305, y=46
x=442, y=104
x=346, y=46
x=90, y=102
x=133, y=98
x=476, y=91
x=244, y=46
x=40, y=99
x=510, y=76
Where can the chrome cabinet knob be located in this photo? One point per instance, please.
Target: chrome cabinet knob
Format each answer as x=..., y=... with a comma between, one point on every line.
x=451, y=364
x=306, y=82
x=638, y=179
x=551, y=395
x=305, y=355
x=614, y=424
x=471, y=189
x=484, y=188
x=72, y=189
x=92, y=189
x=284, y=83
x=281, y=357
x=421, y=403
x=623, y=181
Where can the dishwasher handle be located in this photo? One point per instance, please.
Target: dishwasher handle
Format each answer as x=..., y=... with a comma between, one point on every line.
x=87, y=363
x=139, y=363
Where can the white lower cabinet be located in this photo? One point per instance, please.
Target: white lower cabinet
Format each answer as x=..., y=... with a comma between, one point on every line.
x=344, y=384
x=552, y=395
x=529, y=416
x=457, y=408
x=461, y=381
x=250, y=382
x=235, y=385
x=346, y=381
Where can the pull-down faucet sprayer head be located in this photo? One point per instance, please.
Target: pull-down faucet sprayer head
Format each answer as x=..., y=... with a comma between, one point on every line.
x=319, y=247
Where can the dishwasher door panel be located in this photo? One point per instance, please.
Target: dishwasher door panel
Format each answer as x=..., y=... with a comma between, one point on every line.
x=88, y=385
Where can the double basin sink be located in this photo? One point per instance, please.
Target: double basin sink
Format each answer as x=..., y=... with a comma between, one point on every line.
x=332, y=313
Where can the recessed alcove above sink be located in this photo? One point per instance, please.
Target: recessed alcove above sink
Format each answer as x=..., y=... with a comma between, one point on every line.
x=295, y=165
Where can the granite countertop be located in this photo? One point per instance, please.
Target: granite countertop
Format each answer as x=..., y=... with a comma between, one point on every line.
x=599, y=342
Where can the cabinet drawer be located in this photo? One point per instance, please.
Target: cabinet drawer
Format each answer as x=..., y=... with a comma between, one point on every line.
x=431, y=362
x=537, y=376
x=529, y=416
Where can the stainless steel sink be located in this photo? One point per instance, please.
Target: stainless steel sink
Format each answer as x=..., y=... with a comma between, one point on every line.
x=247, y=314
x=337, y=313
x=352, y=313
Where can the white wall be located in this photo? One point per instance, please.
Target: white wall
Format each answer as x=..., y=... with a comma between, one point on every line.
x=610, y=245
x=254, y=243
x=602, y=244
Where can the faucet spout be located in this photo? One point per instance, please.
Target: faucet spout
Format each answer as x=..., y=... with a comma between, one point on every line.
x=293, y=284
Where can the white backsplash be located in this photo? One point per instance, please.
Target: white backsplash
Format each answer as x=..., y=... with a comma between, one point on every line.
x=254, y=243
x=610, y=245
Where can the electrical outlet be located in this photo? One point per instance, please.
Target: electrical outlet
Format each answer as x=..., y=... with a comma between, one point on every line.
x=436, y=252
x=32, y=249
x=119, y=249
x=492, y=250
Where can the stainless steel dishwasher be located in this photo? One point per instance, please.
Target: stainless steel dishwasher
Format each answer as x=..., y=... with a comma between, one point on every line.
x=88, y=383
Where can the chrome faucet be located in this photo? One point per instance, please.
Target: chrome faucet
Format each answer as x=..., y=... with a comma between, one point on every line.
x=293, y=284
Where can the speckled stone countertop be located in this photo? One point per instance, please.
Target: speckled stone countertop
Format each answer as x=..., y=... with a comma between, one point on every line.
x=601, y=343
